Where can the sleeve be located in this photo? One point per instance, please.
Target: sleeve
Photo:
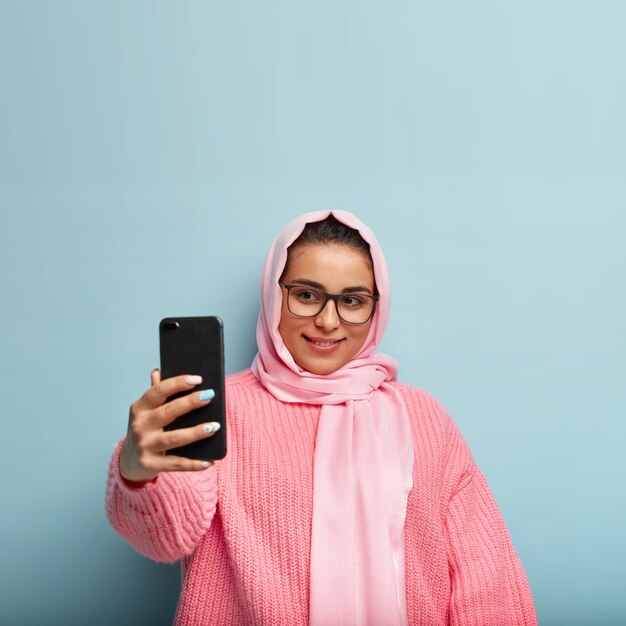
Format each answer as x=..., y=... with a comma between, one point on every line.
x=166, y=518
x=488, y=583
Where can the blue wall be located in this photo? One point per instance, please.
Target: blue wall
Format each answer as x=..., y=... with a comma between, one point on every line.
x=149, y=152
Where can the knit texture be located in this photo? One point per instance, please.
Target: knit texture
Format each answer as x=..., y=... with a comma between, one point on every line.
x=242, y=528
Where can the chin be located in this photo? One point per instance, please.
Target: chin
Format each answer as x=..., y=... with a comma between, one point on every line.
x=321, y=369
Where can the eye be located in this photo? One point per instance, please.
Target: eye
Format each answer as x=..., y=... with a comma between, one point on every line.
x=353, y=301
x=307, y=296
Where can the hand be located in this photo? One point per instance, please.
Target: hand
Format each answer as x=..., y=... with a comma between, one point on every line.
x=143, y=456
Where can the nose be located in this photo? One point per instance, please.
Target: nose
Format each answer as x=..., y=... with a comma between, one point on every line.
x=328, y=318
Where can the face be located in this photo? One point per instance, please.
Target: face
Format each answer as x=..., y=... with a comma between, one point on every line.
x=324, y=343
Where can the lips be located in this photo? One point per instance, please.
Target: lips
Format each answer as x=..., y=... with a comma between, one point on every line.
x=322, y=343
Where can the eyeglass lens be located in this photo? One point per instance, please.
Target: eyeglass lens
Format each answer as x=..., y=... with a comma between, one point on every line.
x=354, y=308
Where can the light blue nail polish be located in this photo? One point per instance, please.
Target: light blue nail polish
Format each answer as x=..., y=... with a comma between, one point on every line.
x=207, y=394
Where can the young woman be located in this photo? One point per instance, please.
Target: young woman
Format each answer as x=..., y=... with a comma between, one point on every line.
x=345, y=498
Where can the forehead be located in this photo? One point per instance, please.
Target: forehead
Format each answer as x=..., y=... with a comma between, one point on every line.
x=334, y=266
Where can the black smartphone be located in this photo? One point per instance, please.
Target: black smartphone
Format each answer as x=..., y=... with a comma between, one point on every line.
x=195, y=345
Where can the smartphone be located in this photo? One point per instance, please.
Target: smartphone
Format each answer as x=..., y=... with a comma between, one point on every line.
x=195, y=345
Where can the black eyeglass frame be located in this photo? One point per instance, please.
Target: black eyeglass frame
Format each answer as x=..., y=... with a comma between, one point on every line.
x=335, y=297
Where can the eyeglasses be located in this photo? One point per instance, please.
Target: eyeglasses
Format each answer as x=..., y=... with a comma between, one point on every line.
x=305, y=301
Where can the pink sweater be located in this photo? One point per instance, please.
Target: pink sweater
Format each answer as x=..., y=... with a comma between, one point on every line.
x=242, y=528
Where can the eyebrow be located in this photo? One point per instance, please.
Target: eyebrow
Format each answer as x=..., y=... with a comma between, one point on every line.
x=316, y=285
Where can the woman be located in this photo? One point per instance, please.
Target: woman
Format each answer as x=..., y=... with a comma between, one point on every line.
x=345, y=497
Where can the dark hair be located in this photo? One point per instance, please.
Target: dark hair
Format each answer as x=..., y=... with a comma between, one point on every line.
x=331, y=231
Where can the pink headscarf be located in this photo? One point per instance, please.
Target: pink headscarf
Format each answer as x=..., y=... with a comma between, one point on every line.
x=363, y=458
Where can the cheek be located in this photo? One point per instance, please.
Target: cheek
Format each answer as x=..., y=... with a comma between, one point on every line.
x=363, y=334
x=282, y=324
x=286, y=325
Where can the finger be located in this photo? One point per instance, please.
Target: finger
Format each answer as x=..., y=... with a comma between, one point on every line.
x=173, y=463
x=168, y=412
x=170, y=439
x=155, y=376
x=159, y=393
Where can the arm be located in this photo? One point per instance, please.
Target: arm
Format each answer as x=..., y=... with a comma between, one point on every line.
x=162, y=504
x=488, y=582
x=163, y=519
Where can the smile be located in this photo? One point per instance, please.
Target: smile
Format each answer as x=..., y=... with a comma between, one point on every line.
x=323, y=343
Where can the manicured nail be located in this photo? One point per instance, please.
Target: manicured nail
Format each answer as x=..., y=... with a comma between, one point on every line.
x=193, y=380
x=211, y=427
x=207, y=394
x=206, y=464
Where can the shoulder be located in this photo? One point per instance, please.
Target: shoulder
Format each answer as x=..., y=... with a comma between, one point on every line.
x=422, y=406
x=247, y=401
x=431, y=421
x=242, y=385
x=436, y=432
x=241, y=379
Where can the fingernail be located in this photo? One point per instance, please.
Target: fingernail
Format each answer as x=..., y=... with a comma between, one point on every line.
x=207, y=394
x=211, y=427
x=206, y=464
x=193, y=380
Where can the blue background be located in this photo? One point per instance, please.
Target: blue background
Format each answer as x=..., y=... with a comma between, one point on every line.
x=150, y=151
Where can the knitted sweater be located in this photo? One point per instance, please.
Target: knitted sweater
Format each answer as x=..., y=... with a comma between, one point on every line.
x=242, y=528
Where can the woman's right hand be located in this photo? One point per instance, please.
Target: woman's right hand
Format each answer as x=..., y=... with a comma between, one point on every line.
x=142, y=456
